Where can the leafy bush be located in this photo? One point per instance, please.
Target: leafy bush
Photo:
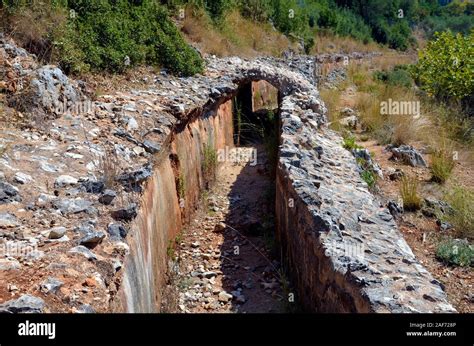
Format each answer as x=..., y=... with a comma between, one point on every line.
x=462, y=218
x=369, y=177
x=113, y=35
x=445, y=67
x=399, y=76
x=409, y=194
x=456, y=252
x=349, y=143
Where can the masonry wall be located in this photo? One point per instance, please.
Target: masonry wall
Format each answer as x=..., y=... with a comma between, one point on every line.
x=322, y=204
x=320, y=288
x=163, y=212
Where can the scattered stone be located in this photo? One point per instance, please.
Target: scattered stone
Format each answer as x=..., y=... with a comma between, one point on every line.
x=224, y=297
x=80, y=249
x=22, y=178
x=25, y=304
x=73, y=206
x=107, y=196
x=209, y=275
x=8, y=193
x=8, y=220
x=65, y=180
x=368, y=163
x=9, y=264
x=435, y=208
x=91, y=240
x=43, y=199
x=85, y=309
x=57, y=232
x=125, y=214
x=133, y=179
x=151, y=147
x=347, y=112
x=51, y=87
x=220, y=227
x=444, y=225
x=395, y=174
x=51, y=285
x=195, y=244
x=407, y=154
x=132, y=124
x=350, y=121
x=92, y=186
x=74, y=156
x=395, y=209
x=116, y=231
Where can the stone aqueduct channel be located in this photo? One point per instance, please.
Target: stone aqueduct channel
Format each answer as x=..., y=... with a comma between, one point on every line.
x=323, y=207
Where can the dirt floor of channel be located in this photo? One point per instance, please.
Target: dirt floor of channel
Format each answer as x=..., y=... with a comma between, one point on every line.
x=226, y=259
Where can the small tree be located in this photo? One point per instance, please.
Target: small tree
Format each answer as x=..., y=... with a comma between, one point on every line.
x=445, y=67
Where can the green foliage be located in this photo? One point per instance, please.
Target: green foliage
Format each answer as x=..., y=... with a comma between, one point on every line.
x=456, y=16
x=462, y=218
x=445, y=68
x=388, y=20
x=455, y=252
x=217, y=8
x=369, y=177
x=349, y=143
x=113, y=35
x=399, y=76
x=258, y=10
x=111, y=32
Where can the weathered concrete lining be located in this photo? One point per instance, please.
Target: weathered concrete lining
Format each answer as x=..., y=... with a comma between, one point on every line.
x=323, y=206
x=164, y=211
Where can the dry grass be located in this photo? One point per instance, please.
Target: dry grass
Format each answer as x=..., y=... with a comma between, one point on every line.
x=234, y=36
x=442, y=160
x=368, y=106
x=404, y=130
x=332, y=99
x=461, y=200
x=109, y=167
x=36, y=38
x=390, y=59
x=409, y=193
x=330, y=43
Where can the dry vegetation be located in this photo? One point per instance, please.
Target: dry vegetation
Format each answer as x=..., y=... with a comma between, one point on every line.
x=235, y=35
x=445, y=140
x=326, y=42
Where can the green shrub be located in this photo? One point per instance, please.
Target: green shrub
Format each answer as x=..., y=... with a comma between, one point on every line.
x=445, y=67
x=349, y=143
x=399, y=76
x=369, y=177
x=110, y=35
x=456, y=252
x=112, y=32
